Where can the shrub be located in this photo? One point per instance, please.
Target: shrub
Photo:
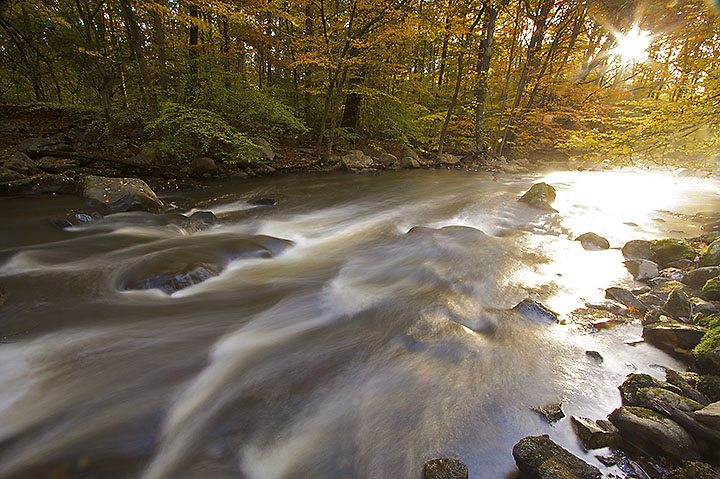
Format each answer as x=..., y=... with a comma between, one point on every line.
x=182, y=133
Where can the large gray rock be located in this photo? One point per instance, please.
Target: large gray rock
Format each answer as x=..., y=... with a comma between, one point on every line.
x=668, y=250
x=204, y=166
x=710, y=415
x=119, y=194
x=678, y=305
x=408, y=152
x=356, y=159
x=676, y=337
x=592, y=241
x=697, y=278
x=386, y=159
x=540, y=196
x=534, y=311
x=58, y=142
x=21, y=163
x=642, y=269
x=596, y=434
x=637, y=249
x=644, y=427
x=262, y=151
x=445, y=469
x=538, y=457
x=635, y=382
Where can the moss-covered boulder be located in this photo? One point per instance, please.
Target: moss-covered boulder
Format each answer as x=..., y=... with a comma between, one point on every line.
x=710, y=415
x=668, y=250
x=710, y=256
x=678, y=305
x=646, y=428
x=693, y=470
x=634, y=382
x=538, y=457
x=646, y=397
x=707, y=353
x=119, y=194
x=663, y=290
x=709, y=385
x=445, y=469
x=540, y=196
x=711, y=289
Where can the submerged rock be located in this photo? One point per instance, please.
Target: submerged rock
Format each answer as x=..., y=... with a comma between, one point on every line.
x=552, y=412
x=445, y=469
x=592, y=241
x=173, y=276
x=74, y=218
x=535, y=311
x=538, y=457
x=540, y=196
x=120, y=194
x=644, y=428
x=596, y=434
x=207, y=217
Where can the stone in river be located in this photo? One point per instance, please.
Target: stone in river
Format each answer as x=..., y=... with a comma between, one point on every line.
x=534, y=310
x=445, y=469
x=538, y=457
x=592, y=241
x=540, y=196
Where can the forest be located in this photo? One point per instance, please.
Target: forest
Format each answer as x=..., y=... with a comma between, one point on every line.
x=616, y=80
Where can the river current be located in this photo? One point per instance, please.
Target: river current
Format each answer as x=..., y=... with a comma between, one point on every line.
x=360, y=351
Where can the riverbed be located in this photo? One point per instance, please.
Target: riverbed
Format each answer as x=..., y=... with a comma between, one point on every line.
x=362, y=350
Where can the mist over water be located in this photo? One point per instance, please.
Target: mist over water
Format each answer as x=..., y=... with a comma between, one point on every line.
x=361, y=350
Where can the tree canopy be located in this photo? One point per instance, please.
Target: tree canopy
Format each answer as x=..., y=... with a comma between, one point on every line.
x=613, y=79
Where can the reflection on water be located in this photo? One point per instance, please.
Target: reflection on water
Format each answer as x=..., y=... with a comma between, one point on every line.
x=362, y=350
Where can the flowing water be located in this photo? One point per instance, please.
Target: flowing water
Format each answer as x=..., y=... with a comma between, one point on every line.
x=361, y=351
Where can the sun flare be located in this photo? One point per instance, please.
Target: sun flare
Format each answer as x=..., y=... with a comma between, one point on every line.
x=632, y=46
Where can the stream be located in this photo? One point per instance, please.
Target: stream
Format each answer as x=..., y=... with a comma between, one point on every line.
x=360, y=350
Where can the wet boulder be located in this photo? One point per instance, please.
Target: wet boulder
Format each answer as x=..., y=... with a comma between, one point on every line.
x=647, y=397
x=709, y=415
x=707, y=353
x=21, y=163
x=710, y=256
x=698, y=277
x=176, y=275
x=592, y=241
x=207, y=217
x=409, y=163
x=551, y=412
x=386, y=159
x=644, y=427
x=678, y=337
x=538, y=457
x=642, y=269
x=535, y=311
x=623, y=296
x=540, y=196
x=663, y=289
x=51, y=164
x=119, y=194
x=667, y=250
x=445, y=469
x=682, y=381
x=637, y=249
x=596, y=434
x=74, y=218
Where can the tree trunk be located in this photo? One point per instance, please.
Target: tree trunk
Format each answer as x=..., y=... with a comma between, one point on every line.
x=159, y=37
x=443, y=55
x=136, y=44
x=507, y=73
x=351, y=112
x=192, y=53
x=486, y=47
x=333, y=116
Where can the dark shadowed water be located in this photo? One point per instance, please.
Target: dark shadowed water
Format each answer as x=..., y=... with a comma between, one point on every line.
x=361, y=351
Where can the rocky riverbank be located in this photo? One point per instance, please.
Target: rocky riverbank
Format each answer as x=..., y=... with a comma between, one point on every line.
x=664, y=429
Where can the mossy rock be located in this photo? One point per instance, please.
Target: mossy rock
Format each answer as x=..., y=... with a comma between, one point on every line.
x=667, y=250
x=445, y=469
x=710, y=256
x=646, y=398
x=538, y=457
x=678, y=305
x=711, y=289
x=698, y=277
x=635, y=382
x=540, y=196
x=693, y=470
x=709, y=385
x=707, y=353
x=637, y=249
x=706, y=238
